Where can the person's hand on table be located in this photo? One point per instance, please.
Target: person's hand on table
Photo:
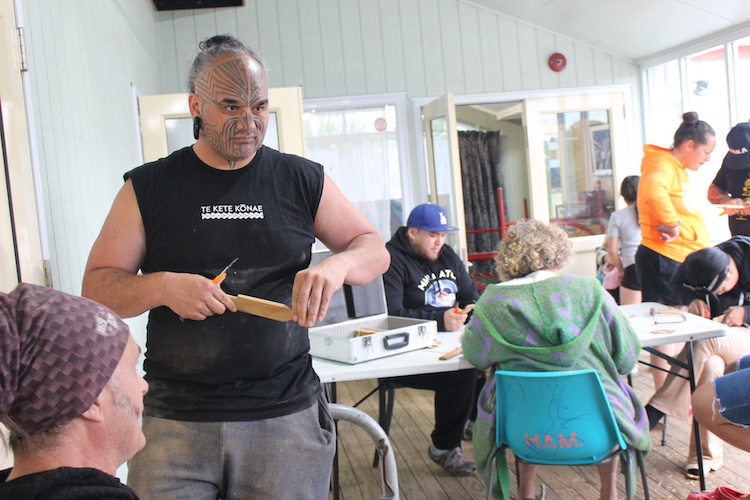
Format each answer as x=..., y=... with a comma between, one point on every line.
x=699, y=308
x=743, y=208
x=454, y=320
x=734, y=316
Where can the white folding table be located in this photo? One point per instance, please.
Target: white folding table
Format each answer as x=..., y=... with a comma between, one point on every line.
x=689, y=330
x=656, y=328
x=415, y=362
x=406, y=363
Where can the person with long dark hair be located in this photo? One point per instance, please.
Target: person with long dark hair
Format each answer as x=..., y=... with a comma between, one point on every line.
x=624, y=236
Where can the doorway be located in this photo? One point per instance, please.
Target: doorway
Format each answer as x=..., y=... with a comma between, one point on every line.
x=558, y=161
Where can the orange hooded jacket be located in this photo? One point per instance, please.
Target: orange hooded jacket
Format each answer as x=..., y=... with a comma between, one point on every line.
x=662, y=200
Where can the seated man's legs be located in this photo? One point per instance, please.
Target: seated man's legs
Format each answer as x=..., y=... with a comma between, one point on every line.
x=710, y=357
x=454, y=398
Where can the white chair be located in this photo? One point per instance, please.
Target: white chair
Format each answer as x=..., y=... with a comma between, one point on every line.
x=388, y=472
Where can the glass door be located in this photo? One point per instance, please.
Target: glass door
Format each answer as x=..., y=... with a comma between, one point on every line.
x=21, y=216
x=444, y=166
x=575, y=144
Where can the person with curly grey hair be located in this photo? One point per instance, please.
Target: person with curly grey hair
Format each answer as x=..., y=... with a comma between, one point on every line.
x=541, y=319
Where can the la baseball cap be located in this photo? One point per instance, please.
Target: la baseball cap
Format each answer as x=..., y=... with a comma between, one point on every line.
x=429, y=217
x=738, y=140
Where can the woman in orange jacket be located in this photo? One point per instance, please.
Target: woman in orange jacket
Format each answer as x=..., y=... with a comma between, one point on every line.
x=671, y=224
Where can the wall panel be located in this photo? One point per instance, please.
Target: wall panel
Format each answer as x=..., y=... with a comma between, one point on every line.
x=585, y=65
x=566, y=46
x=422, y=47
x=603, y=68
x=312, y=47
x=471, y=49
x=247, y=25
x=170, y=72
x=351, y=38
x=291, y=42
x=186, y=43
x=269, y=42
x=333, y=51
x=394, y=49
x=489, y=46
x=206, y=25
x=84, y=60
x=432, y=46
x=528, y=54
x=413, y=51
x=372, y=48
x=226, y=21
x=546, y=46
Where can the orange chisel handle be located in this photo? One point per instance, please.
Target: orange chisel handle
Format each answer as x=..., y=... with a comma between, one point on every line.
x=217, y=280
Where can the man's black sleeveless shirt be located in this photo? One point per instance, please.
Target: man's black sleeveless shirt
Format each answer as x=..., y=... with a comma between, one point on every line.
x=235, y=366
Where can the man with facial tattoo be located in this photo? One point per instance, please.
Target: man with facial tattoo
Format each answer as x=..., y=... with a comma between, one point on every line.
x=235, y=409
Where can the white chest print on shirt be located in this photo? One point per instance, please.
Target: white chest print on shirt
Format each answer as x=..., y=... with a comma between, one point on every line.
x=239, y=211
x=439, y=289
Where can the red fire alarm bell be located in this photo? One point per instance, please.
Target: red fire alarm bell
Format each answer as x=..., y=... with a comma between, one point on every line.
x=557, y=62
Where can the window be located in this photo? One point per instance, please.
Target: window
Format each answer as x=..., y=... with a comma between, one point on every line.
x=578, y=156
x=742, y=78
x=708, y=93
x=360, y=148
x=664, y=102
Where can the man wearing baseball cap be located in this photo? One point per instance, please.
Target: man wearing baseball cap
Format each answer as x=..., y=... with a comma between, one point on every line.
x=731, y=186
x=428, y=280
x=69, y=395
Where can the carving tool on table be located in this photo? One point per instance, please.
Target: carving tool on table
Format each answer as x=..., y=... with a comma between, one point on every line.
x=452, y=354
x=223, y=274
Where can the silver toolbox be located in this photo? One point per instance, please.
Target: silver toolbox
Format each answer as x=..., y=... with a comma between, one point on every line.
x=339, y=343
x=360, y=310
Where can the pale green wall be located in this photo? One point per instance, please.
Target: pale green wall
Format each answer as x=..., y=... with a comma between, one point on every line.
x=84, y=55
x=422, y=47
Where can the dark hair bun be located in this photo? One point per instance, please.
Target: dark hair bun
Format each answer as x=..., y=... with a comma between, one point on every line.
x=690, y=118
x=219, y=40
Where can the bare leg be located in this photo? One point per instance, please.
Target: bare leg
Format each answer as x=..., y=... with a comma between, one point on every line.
x=660, y=376
x=704, y=410
x=628, y=296
x=527, y=488
x=608, y=479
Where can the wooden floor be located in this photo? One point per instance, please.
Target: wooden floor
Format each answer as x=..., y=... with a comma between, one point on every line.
x=419, y=478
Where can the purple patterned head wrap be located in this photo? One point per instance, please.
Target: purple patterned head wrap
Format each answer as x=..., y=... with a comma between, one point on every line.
x=57, y=352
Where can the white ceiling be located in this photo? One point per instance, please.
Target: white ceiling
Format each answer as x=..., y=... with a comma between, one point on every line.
x=634, y=29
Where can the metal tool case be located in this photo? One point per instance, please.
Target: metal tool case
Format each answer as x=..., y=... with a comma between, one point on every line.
x=363, y=309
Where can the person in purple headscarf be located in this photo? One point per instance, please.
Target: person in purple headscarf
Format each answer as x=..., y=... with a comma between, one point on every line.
x=69, y=395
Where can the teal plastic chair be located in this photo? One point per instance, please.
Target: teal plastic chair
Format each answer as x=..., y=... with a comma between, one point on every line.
x=560, y=418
